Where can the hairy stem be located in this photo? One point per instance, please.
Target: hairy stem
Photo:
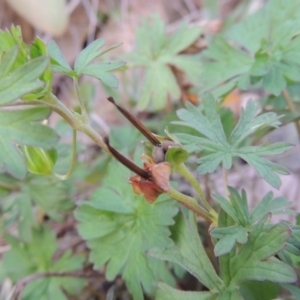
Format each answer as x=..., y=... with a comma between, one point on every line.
x=185, y=172
x=73, y=119
x=191, y=204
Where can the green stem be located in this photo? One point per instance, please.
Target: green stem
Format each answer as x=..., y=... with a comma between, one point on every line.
x=290, y=103
x=73, y=159
x=80, y=100
x=191, y=204
x=185, y=172
x=74, y=120
x=78, y=123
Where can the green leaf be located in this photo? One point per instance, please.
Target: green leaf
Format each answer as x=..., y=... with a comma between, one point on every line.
x=88, y=54
x=166, y=292
x=58, y=61
x=8, y=60
x=222, y=62
x=228, y=237
x=82, y=63
x=24, y=259
x=254, y=261
x=294, y=290
x=237, y=209
x=272, y=42
x=220, y=149
x=12, y=39
x=22, y=128
x=292, y=248
x=38, y=48
x=156, y=52
x=20, y=71
x=189, y=252
x=22, y=80
x=266, y=290
x=159, y=83
x=26, y=218
x=270, y=205
x=181, y=39
x=100, y=71
x=128, y=226
x=50, y=194
x=47, y=194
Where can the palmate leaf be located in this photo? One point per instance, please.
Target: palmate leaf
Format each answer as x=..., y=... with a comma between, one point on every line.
x=84, y=63
x=255, y=259
x=24, y=259
x=120, y=227
x=13, y=38
x=156, y=52
x=243, y=222
x=24, y=69
x=21, y=81
x=272, y=42
x=47, y=193
x=21, y=127
x=220, y=149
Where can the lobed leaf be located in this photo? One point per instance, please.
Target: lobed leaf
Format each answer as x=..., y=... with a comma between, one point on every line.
x=24, y=259
x=22, y=80
x=58, y=61
x=269, y=205
x=21, y=127
x=258, y=51
x=127, y=227
x=88, y=54
x=156, y=52
x=221, y=148
x=262, y=244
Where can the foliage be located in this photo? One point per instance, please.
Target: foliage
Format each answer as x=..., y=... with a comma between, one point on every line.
x=37, y=257
x=47, y=194
x=82, y=63
x=220, y=149
x=253, y=260
x=128, y=227
x=24, y=127
x=270, y=59
x=156, y=52
x=237, y=252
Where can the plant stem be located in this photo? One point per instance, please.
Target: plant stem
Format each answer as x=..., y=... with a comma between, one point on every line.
x=191, y=204
x=185, y=172
x=80, y=100
x=73, y=159
x=74, y=120
x=290, y=103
